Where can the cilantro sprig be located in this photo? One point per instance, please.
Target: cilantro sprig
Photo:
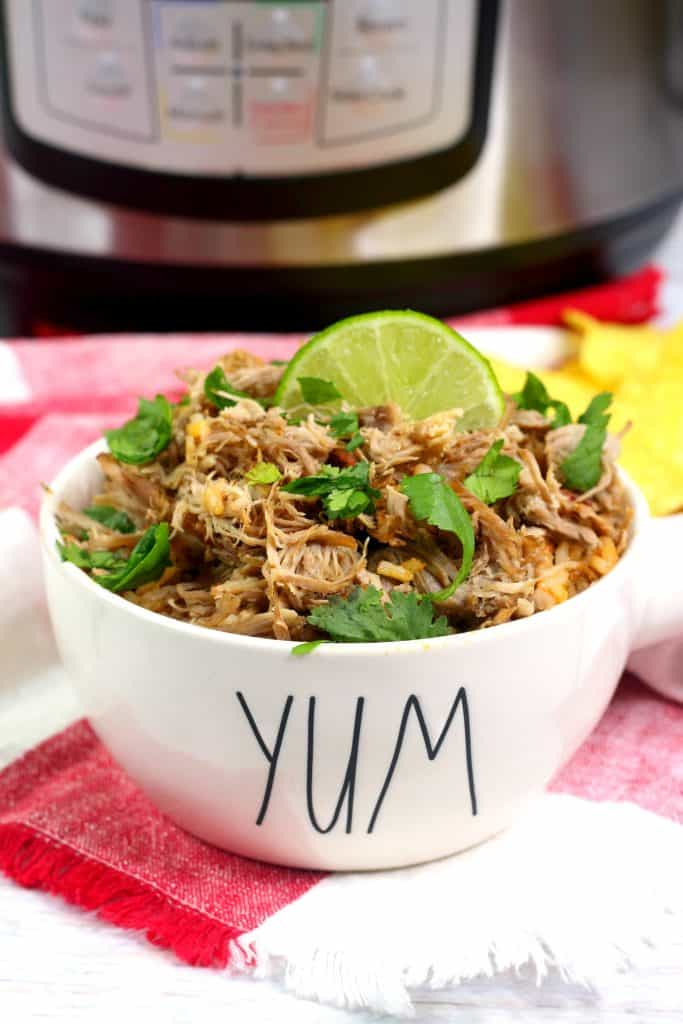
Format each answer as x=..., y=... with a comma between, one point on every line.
x=145, y=436
x=431, y=498
x=534, y=395
x=495, y=477
x=596, y=413
x=343, y=424
x=316, y=391
x=112, y=518
x=581, y=469
x=146, y=562
x=346, y=425
x=344, y=492
x=219, y=390
x=363, y=618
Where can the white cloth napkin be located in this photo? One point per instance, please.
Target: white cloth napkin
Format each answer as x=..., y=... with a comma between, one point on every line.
x=575, y=887
x=661, y=667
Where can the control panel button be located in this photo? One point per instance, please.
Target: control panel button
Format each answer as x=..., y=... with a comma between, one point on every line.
x=195, y=35
x=96, y=13
x=381, y=18
x=377, y=24
x=375, y=81
x=280, y=30
x=95, y=22
x=195, y=100
x=279, y=109
x=108, y=76
x=369, y=85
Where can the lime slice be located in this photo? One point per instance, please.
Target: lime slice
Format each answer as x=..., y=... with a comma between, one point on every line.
x=398, y=356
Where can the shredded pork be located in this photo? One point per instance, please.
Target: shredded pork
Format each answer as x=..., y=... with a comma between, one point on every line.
x=256, y=560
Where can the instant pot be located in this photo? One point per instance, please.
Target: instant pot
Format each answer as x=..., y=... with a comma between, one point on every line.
x=176, y=164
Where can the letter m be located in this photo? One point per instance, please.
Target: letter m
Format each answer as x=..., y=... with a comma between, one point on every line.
x=413, y=704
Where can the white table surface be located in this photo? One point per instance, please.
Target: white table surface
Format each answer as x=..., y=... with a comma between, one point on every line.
x=54, y=969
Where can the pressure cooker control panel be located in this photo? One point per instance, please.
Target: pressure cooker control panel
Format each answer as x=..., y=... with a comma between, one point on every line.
x=261, y=88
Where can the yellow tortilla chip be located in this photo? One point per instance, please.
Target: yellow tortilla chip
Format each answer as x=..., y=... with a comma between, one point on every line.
x=672, y=348
x=510, y=378
x=643, y=366
x=609, y=353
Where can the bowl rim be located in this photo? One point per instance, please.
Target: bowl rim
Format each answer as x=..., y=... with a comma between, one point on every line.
x=49, y=535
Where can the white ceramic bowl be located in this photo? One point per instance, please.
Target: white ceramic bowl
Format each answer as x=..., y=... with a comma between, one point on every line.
x=357, y=755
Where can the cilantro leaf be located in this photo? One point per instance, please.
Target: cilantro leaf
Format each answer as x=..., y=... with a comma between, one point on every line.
x=145, y=436
x=110, y=517
x=596, y=411
x=219, y=390
x=345, y=424
x=316, y=391
x=263, y=473
x=344, y=492
x=90, y=559
x=330, y=478
x=495, y=477
x=146, y=562
x=562, y=415
x=582, y=469
x=431, y=498
x=306, y=648
x=279, y=362
x=362, y=617
x=345, y=504
x=534, y=395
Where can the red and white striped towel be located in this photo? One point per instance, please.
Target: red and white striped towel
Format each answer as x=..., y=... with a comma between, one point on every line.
x=583, y=883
